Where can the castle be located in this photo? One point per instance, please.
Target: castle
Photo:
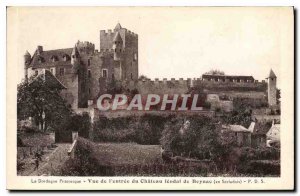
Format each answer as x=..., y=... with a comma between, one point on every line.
x=86, y=72
x=82, y=69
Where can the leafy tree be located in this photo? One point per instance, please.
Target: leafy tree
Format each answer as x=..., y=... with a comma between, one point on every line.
x=241, y=114
x=215, y=72
x=199, y=139
x=39, y=97
x=81, y=123
x=278, y=95
x=143, y=77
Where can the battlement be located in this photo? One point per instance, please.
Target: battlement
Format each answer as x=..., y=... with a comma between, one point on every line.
x=182, y=85
x=112, y=32
x=197, y=80
x=131, y=33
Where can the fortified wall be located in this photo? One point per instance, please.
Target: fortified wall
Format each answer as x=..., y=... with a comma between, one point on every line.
x=253, y=89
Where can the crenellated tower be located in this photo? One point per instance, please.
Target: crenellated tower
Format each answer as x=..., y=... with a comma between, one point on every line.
x=123, y=45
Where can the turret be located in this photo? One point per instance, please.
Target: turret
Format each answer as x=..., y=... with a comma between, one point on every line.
x=27, y=60
x=272, y=88
x=118, y=27
x=117, y=46
x=75, y=59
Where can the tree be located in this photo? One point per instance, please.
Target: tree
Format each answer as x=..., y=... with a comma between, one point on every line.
x=143, y=77
x=278, y=95
x=114, y=87
x=241, y=114
x=215, y=72
x=40, y=98
x=199, y=139
x=81, y=123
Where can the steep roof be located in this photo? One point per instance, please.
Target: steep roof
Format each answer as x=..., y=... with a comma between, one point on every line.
x=274, y=132
x=118, y=26
x=235, y=128
x=118, y=37
x=27, y=53
x=52, y=81
x=45, y=58
x=272, y=74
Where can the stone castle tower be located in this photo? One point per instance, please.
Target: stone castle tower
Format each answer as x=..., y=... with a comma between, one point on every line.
x=27, y=59
x=84, y=71
x=124, y=44
x=272, y=88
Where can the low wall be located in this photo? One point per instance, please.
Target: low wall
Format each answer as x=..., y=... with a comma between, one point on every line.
x=71, y=151
x=126, y=113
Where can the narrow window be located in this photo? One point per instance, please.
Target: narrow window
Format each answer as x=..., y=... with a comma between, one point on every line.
x=135, y=56
x=89, y=91
x=61, y=71
x=89, y=73
x=113, y=76
x=36, y=72
x=131, y=76
x=104, y=73
x=89, y=62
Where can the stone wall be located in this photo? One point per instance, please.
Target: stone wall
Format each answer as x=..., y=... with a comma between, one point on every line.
x=173, y=86
x=126, y=113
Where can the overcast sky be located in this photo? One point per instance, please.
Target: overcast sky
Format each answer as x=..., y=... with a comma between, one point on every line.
x=173, y=42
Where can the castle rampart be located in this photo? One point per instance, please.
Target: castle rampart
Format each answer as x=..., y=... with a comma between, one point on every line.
x=177, y=86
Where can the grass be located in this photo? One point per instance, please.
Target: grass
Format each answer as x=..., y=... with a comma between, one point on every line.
x=37, y=138
x=127, y=153
x=125, y=159
x=113, y=154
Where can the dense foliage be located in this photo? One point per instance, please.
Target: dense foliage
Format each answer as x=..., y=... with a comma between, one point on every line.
x=80, y=123
x=146, y=129
x=40, y=99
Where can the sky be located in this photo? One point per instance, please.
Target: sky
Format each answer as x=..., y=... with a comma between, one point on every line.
x=173, y=42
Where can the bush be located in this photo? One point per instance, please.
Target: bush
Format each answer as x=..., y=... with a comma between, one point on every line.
x=146, y=129
x=197, y=140
x=80, y=123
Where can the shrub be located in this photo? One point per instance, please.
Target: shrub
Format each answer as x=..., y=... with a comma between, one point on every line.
x=198, y=140
x=80, y=123
x=146, y=129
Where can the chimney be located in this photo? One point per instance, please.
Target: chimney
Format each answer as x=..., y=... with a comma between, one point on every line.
x=39, y=49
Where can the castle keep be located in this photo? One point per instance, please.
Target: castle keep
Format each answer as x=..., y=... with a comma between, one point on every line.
x=82, y=69
x=86, y=72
